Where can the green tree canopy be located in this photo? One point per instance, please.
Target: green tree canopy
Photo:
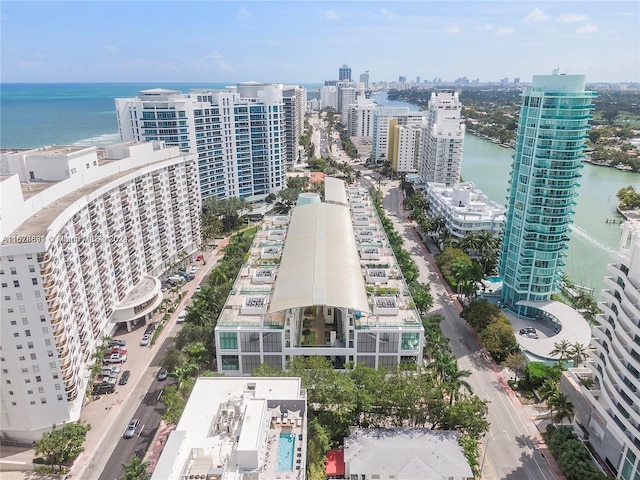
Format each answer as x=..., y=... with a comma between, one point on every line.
x=61, y=446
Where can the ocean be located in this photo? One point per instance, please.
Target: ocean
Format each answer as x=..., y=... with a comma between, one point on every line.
x=36, y=114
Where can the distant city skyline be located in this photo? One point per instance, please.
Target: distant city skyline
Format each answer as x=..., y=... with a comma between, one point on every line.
x=307, y=42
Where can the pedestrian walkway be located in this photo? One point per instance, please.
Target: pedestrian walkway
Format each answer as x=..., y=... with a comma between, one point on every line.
x=109, y=414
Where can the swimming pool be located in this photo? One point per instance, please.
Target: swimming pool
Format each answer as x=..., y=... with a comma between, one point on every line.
x=286, y=450
x=494, y=279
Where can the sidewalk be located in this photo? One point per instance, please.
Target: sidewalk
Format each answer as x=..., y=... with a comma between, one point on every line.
x=104, y=414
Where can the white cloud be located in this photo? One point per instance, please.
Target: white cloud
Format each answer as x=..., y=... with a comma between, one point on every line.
x=587, y=28
x=111, y=49
x=452, y=29
x=387, y=13
x=484, y=28
x=243, y=13
x=219, y=61
x=573, y=17
x=503, y=31
x=331, y=15
x=537, y=15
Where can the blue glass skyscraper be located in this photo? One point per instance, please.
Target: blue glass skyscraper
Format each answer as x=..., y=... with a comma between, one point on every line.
x=552, y=128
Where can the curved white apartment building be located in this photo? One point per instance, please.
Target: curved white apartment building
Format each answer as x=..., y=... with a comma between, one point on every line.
x=85, y=235
x=607, y=404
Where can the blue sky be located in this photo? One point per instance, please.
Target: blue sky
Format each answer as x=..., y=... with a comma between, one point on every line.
x=307, y=41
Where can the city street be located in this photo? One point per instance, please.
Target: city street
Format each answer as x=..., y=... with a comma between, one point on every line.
x=513, y=449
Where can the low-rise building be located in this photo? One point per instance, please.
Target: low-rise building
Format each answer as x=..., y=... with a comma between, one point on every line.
x=464, y=208
x=232, y=428
x=338, y=291
x=406, y=453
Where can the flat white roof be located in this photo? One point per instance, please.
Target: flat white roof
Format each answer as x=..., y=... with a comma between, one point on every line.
x=320, y=262
x=334, y=191
x=575, y=329
x=405, y=453
x=195, y=431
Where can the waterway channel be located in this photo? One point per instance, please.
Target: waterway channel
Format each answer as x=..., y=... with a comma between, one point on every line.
x=592, y=240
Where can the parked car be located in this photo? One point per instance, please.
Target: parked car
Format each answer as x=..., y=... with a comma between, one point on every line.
x=198, y=288
x=124, y=378
x=116, y=358
x=131, y=428
x=110, y=380
x=117, y=343
x=162, y=374
x=102, y=388
x=193, y=270
x=109, y=371
x=199, y=258
x=182, y=316
x=150, y=328
x=113, y=350
x=144, y=341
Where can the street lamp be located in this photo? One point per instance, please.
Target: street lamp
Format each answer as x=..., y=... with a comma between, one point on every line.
x=486, y=447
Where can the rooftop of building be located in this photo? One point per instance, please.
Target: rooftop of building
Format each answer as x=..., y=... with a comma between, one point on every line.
x=231, y=425
x=407, y=453
x=78, y=186
x=324, y=254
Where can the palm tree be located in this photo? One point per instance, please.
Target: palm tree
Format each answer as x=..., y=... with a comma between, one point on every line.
x=562, y=350
x=578, y=352
x=563, y=407
x=196, y=352
x=455, y=381
x=548, y=389
x=136, y=470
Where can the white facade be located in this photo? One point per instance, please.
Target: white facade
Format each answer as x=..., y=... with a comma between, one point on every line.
x=607, y=413
x=79, y=257
x=240, y=134
x=379, y=329
x=381, y=118
x=442, y=140
x=232, y=428
x=294, y=104
x=329, y=97
x=359, y=119
x=464, y=208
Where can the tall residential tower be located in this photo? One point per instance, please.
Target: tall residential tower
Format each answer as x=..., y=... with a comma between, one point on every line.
x=440, y=158
x=553, y=124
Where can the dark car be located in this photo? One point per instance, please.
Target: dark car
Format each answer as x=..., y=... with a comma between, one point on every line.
x=150, y=328
x=117, y=343
x=162, y=374
x=131, y=428
x=102, y=388
x=124, y=378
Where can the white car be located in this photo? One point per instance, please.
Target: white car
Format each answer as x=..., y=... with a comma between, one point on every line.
x=193, y=270
x=146, y=338
x=182, y=316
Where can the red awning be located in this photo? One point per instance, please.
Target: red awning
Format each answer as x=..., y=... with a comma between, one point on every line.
x=335, y=462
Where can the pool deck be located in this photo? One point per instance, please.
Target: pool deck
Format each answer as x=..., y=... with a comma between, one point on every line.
x=270, y=468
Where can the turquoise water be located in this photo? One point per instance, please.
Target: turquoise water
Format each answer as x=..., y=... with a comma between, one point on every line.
x=494, y=279
x=37, y=114
x=286, y=451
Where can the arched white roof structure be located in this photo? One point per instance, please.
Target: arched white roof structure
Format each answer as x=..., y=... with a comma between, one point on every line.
x=320, y=263
x=334, y=191
x=575, y=329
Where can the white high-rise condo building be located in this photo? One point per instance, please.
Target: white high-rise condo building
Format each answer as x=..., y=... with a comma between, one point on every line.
x=606, y=391
x=86, y=234
x=442, y=140
x=359, y=119
x=240, y=134
x=382, y=117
